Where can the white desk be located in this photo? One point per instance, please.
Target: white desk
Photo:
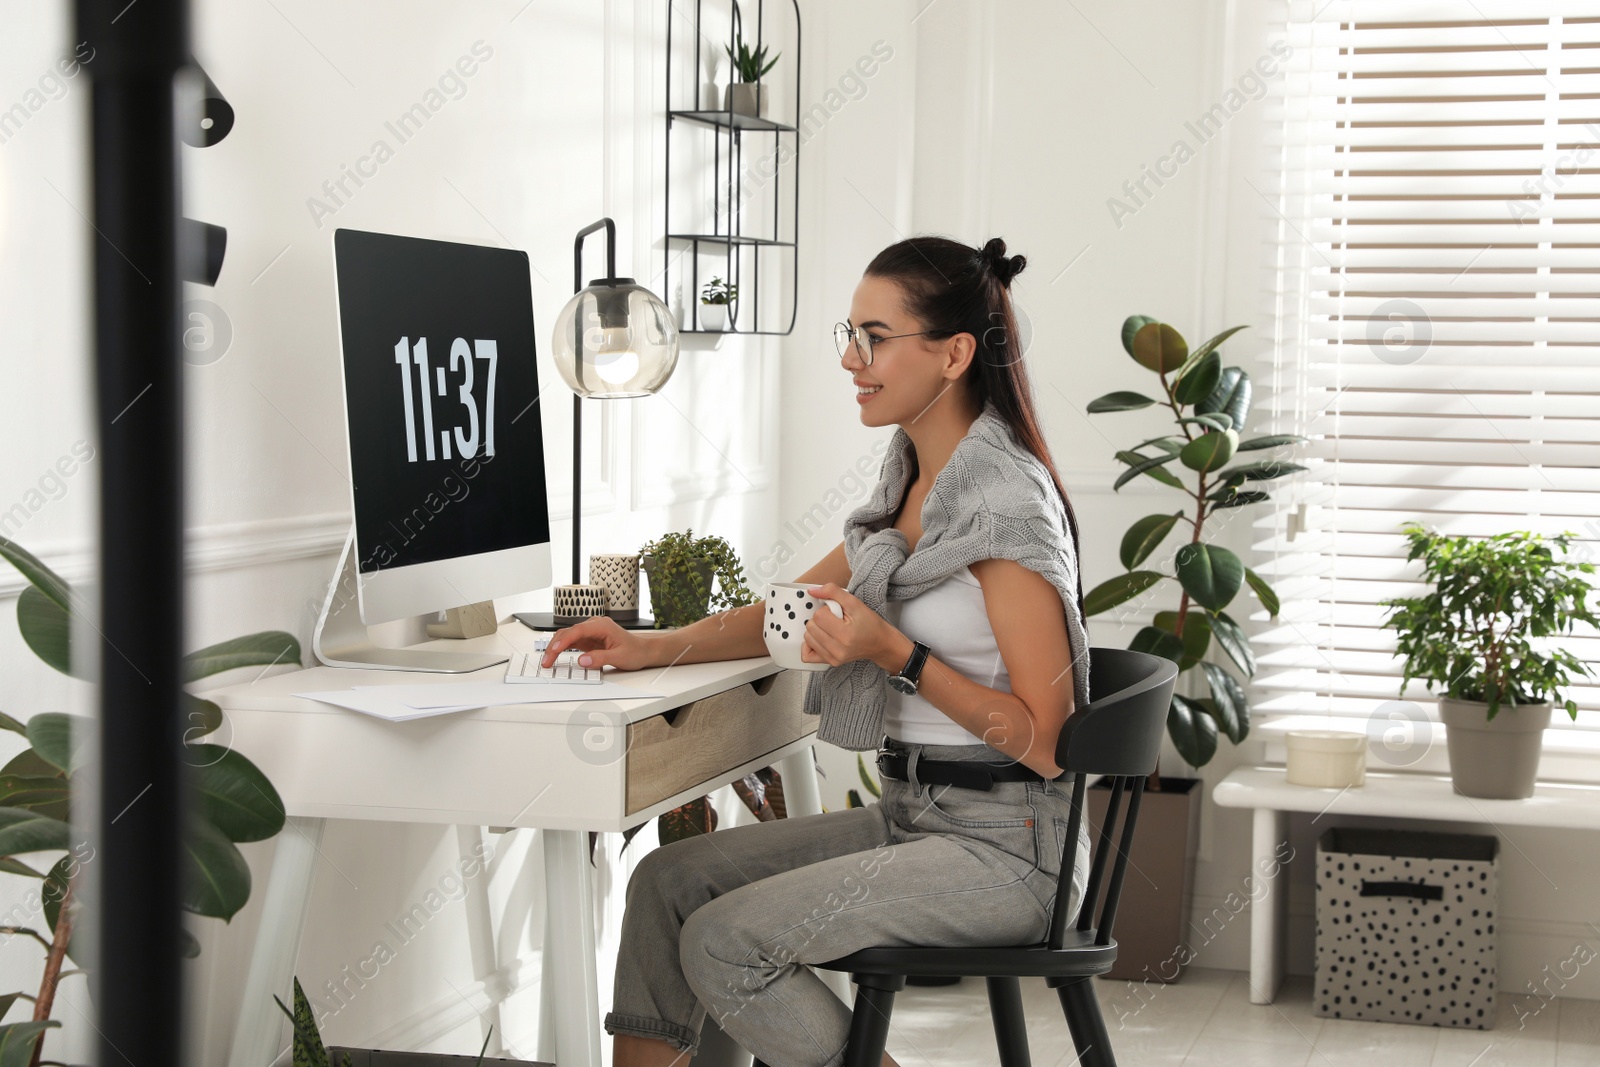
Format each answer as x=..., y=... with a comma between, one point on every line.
x=565, y=768
x=1392, y=795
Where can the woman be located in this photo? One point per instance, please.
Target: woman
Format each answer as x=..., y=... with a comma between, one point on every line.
x=958, y=580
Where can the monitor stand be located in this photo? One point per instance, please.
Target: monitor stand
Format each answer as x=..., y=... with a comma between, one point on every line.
x=341, y=638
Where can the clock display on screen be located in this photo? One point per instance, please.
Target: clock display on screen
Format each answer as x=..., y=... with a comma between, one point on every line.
x=441, y=398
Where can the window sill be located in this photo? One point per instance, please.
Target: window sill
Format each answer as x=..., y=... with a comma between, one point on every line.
x=1398, y=745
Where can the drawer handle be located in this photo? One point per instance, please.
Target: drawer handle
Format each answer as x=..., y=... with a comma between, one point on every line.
x=1420, y=890
x=763, y=686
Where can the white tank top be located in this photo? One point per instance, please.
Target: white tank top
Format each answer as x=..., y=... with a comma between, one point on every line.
x=951, y=620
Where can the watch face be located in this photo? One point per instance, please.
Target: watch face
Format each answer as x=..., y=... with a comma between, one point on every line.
x=903, y=685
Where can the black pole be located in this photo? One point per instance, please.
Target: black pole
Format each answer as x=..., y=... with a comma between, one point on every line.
x=137, y=984
x=577, y=401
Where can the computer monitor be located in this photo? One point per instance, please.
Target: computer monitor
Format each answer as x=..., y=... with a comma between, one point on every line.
x=441, y=397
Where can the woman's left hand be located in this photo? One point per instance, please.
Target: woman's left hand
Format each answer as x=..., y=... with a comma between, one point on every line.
x=861, y=634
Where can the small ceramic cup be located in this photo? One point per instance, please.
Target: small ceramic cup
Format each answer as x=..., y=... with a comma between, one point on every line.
x=619, y=573
x=789, y=608
x=579, y=601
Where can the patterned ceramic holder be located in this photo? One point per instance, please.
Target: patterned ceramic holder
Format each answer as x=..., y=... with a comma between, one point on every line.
x=574, y=603
x=619, y=573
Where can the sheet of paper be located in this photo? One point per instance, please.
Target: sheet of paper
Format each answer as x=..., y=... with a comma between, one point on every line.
x=377, y=703
x=489, y=694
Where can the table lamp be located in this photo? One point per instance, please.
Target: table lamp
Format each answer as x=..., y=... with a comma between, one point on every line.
x=614, y=339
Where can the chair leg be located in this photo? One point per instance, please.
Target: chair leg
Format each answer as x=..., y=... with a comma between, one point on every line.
x=869, y=1025
x=1010, y=1028
x=1086, y=1023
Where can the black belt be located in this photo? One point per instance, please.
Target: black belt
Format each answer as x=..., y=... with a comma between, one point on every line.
x=968, y=775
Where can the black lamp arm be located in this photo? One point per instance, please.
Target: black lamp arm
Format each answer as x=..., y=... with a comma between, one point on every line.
x=577, y=401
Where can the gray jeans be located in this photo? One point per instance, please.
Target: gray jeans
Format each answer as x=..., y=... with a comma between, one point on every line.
x=724, y=923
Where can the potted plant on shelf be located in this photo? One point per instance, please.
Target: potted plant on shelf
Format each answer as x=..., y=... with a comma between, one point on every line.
x=234, y=801
x=309, y=1051
x=746, y=96
x=715, y=296
x=681, y=568
x=1208, y=404
x=1481, y=635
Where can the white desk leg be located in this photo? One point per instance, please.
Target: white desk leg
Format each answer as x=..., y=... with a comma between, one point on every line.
x=257, y=1039
x=803, y=796
x=570, y=969
x=1269, y=915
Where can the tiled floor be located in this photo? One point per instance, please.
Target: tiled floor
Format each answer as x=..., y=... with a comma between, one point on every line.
x=1207, y=1020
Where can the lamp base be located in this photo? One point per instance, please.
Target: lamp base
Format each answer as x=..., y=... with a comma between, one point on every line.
x=549, y=620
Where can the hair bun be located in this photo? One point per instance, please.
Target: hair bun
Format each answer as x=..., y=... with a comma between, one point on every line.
x=1002, y=266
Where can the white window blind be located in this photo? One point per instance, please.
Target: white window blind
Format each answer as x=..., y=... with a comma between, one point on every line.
x=1434, y=268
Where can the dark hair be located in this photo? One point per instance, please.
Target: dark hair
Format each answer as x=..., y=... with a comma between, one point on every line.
x=954, y=288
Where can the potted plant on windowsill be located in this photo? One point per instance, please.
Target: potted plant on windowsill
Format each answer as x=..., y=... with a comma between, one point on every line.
x=1480, y=638
x=747, y=96
x=715, y=298
x=1208, y=404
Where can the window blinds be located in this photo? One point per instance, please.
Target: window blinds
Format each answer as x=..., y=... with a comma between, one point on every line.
x=1434, y=272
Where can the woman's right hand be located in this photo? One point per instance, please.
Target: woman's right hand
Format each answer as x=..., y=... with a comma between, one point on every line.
x=603, y=644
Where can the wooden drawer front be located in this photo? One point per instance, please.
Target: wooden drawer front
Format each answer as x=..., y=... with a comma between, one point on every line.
x=672, y=751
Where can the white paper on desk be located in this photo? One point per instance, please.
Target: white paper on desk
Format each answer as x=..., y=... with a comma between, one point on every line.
x=489, y=694
x=382, y=705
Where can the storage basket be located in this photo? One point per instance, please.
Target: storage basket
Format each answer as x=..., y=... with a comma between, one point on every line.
x=1406, y=927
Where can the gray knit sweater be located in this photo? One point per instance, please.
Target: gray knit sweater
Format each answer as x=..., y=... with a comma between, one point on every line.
x=993, y=500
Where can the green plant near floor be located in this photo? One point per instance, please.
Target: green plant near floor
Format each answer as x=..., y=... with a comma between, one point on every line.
x=749, y=65
x=1482, y=631
x=1209, y=404
x=309, y=1050
x=717, y=291
x=674, y=566
x=853, y=798
x=234, y=801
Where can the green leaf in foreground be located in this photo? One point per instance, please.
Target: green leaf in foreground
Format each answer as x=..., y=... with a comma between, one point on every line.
x=1193, y=732
x=1124, y=587
x=1210, y=574
x=1264, y=592
x=1119, y=401
x=1145, y=536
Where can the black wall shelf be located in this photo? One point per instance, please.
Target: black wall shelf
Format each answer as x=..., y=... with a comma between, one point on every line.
x=741, y=253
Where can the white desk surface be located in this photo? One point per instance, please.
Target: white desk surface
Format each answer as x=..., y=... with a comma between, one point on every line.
x=560, y=765
x=678, y=684
x=1568, y=806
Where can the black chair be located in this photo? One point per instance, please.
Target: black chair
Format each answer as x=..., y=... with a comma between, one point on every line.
x=1118, y=735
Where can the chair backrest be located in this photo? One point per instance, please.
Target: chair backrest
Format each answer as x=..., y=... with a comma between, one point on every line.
x=1118, y=735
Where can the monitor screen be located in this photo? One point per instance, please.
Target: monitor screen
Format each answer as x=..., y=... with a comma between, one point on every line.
x=441, y=396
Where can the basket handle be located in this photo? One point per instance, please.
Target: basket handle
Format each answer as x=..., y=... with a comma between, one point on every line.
x=1420, y=890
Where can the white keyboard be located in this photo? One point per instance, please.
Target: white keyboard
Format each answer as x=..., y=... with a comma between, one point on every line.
x=525, y=667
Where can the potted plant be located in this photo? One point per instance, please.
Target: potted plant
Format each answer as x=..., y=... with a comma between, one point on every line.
x=746, y=97
x=1481, y=636
x=308, y=1050
x=234, y=801
x=1198, y=458
x=681, y=568
x=715, y=296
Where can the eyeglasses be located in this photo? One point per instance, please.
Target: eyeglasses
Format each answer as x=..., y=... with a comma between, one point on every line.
x=844, y=335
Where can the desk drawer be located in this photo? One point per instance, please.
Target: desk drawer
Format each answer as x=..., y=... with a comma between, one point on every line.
x=668, y=753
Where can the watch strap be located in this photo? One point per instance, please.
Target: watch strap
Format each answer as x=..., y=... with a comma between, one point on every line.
x=912, y=671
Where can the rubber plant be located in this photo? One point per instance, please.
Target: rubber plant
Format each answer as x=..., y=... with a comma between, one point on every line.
x=1209, y=404
x=234, y=801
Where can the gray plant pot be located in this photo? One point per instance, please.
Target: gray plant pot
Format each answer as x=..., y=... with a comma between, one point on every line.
x=1495, y=759
x=746, y=98
x=700, y=607
x=360, y=1057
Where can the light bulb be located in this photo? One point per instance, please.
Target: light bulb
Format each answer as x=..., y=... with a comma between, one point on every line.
x=615, y=360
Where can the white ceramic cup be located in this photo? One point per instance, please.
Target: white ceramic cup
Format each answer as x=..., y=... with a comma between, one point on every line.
x=789, y=608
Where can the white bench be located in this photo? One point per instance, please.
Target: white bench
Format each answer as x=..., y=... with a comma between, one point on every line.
x=1395, y=795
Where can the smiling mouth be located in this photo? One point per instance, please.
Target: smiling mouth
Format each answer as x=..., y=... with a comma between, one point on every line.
x=865, y=390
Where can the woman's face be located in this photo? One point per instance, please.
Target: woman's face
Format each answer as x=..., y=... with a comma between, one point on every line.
x=908, y=373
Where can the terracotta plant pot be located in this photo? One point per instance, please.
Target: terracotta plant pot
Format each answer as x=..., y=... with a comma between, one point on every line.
x=1153, y=912
x=1495, y=759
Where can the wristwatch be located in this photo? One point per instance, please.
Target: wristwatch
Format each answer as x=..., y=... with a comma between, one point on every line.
x=906, y=681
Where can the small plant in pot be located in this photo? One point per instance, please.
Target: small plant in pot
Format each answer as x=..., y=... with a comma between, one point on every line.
x=1480, y=638
x=682, y=567
x=715, y=298
x=746, y=96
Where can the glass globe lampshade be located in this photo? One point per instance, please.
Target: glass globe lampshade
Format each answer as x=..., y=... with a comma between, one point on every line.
x=615, y=339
